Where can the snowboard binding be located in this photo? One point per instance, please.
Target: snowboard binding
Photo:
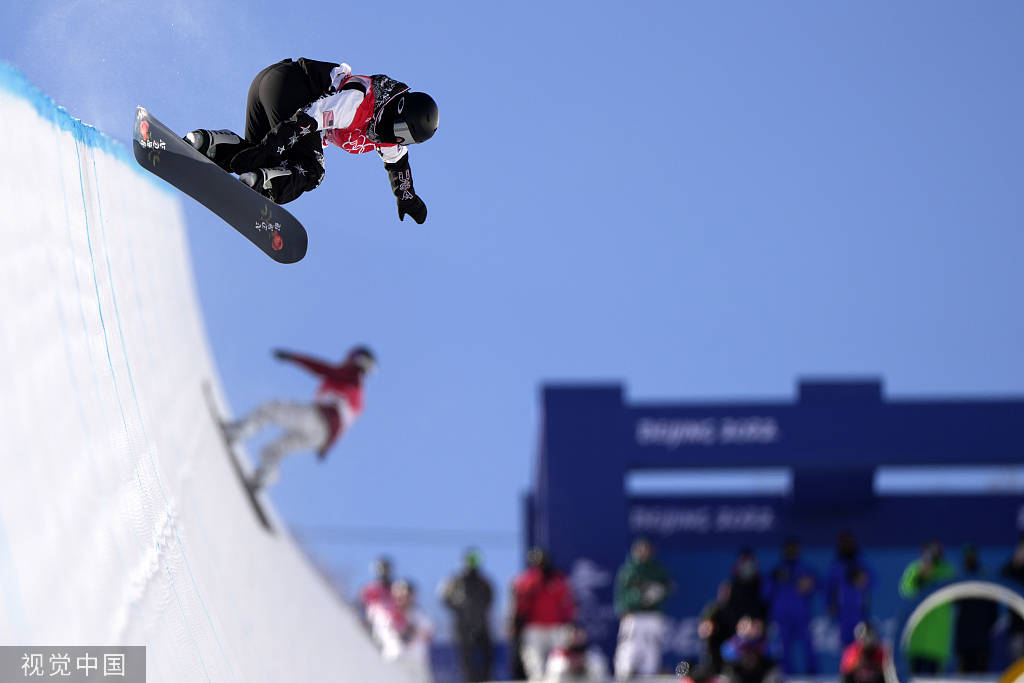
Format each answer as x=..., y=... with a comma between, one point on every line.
x=217, y=145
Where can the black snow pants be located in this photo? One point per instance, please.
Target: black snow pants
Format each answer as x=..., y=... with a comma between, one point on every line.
x=275, y=95
x=282, y=89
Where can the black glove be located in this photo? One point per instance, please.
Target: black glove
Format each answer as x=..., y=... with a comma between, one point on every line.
x=413, y=207
x=281, y=354
x=400, y=175
x=277, y=145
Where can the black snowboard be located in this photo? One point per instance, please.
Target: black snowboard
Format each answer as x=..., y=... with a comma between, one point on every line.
x=259, y=220
x=233, y=457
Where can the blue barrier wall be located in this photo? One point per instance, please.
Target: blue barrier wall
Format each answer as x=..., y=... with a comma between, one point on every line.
x=829, y=442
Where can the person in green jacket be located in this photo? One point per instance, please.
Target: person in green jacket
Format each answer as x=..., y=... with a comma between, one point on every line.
x=641, y=588
x=930, y=642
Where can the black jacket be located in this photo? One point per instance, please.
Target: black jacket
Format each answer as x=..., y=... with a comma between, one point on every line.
x=469, y=595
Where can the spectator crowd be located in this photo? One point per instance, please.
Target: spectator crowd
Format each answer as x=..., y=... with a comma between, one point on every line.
x=757, y=628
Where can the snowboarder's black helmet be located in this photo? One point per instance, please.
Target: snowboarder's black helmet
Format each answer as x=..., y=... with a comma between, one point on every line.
x=413, y=117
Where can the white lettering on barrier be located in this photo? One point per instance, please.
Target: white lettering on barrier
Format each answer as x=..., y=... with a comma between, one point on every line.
x=675, y=432
x=667, y=521
x=758, y=518
x=704, y=519
x=749, y=430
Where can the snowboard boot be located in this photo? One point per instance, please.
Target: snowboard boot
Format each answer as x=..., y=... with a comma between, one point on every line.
x=278, y=184
x=218, y=145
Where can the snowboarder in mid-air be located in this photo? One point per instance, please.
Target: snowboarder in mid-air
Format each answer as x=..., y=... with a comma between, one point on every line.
x=296, y=108
x=317, y=425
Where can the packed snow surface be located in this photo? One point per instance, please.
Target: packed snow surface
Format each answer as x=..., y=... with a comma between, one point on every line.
x=121, y=521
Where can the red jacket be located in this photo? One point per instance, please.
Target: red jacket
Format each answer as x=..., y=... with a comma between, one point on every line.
x=863, y=665
x=544, y=601
x=339, y=397
x=352, y=138
x=374, y=592
x=347, y=115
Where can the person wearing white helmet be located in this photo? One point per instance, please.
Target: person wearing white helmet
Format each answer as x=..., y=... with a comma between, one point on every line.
x=308, y=426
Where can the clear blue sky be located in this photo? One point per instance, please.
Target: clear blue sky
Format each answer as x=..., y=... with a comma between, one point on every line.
x=701, y=199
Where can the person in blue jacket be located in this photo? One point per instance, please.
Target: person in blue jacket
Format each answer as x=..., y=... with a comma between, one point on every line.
x=790, y=593
x=848, y=587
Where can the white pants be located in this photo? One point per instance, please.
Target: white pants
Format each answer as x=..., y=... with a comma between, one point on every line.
x=639, y=650
x=415, y=661
x=538, y=642
x=303, y=428
x=595, y=668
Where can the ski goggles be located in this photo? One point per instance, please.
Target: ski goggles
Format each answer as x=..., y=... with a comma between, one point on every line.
x=403, y=133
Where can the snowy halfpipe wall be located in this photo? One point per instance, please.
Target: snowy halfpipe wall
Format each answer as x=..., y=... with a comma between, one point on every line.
x=121, y=522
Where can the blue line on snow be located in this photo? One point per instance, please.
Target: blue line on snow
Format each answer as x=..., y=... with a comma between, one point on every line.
x=142, y=422
x=110, y=363
x=14, y=82
x=76, y=385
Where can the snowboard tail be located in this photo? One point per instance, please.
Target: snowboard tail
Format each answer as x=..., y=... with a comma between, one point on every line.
x=266, y=224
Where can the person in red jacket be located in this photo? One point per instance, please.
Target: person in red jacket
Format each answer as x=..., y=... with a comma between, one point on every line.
x=378, y=590
x=545, y=609
x=865, y=659
x=317, y=425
